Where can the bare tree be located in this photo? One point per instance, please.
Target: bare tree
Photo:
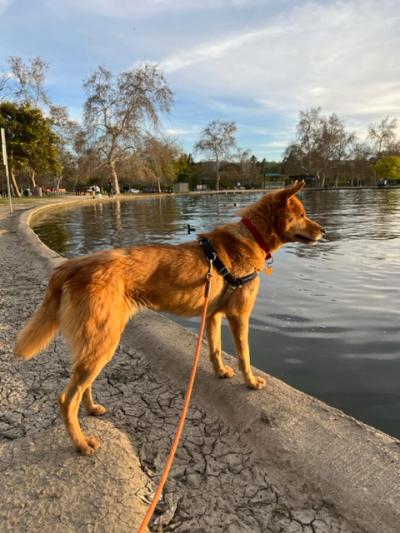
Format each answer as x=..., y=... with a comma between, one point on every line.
x=118, y=108
x=4, y=78
x=28, y=80
x=249, y=173
x=70, y=142
x=217, y=142
x=321, y=145
x=383, y=135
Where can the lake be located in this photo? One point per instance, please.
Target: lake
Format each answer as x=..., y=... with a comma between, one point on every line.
x=327, y=321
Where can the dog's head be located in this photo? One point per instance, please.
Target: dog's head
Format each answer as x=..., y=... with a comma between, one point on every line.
x=291, y=222
x=281, y=218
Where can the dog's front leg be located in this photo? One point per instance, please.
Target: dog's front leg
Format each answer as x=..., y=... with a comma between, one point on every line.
x=239, y=325
x=213, y=327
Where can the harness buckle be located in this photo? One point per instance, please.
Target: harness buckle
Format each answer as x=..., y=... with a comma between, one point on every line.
x=210, y=267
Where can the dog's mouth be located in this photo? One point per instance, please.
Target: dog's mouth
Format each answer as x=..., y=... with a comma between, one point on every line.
x=305, y=239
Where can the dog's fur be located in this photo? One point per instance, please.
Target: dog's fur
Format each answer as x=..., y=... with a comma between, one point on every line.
x=91, y=298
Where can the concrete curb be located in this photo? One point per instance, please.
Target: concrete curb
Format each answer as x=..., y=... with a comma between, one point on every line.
x=353, y=467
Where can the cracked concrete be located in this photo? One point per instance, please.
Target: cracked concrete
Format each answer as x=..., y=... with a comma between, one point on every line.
x=275, y=461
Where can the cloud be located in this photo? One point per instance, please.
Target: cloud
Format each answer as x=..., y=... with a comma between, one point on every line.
x=4, y=5
x=178, y=132
x=146, y=8
x=339, y=55
x=218, y=49
x=257, y=62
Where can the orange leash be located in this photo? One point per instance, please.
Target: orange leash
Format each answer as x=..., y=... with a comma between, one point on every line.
x=185, y=408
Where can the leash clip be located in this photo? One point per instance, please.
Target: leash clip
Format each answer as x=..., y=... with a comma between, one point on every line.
x=269, y=262
x=208, y=278
x=210, y=267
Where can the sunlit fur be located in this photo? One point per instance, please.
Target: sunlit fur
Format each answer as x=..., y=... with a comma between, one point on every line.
x=91, y=298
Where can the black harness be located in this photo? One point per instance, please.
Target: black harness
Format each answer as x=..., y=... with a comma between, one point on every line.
x=212, y=256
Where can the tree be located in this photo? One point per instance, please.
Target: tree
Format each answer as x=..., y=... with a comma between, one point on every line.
x=361, y=168
x=27, y=81
x=187, y=170
x=383, y=135
x=71, y=141
x=4, y=78
x=31, y=144
x=388, y=167
x=159, y=160
x=321, y=145
x=217, y=142
x=249, y=172
x=118, y=108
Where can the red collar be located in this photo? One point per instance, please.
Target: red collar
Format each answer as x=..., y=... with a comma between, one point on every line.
x=257, y=236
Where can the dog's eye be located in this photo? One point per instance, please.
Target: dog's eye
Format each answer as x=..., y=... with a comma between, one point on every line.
x=302, y=215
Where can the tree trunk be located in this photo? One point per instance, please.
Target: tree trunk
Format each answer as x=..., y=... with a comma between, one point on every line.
x=32, y=178
x=115, y=177
x=58, y=181
x=218, y=177
x=159, y=185
x=14, y=183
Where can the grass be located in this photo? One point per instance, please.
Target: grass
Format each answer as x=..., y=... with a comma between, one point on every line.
x=27, y=200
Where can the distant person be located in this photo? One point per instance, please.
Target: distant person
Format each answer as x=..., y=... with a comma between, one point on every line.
x=109, y=189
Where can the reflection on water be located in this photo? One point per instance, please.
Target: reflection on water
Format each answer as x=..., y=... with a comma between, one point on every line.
x=327, y=321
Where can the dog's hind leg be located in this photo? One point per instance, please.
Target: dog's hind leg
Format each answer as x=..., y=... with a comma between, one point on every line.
x=91, y=407
x=85, y=371
x=92, y=317
x=213, y=328
x=240, y=329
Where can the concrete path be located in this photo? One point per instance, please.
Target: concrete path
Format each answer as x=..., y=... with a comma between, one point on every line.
x=237, y=470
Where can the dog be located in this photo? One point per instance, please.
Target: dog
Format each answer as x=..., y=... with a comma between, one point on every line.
x=91, y=298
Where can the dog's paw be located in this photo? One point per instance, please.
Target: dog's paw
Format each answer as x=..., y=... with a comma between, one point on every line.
x=97, y=410
x=257, y=383
x=89, y=445
x=227, y=372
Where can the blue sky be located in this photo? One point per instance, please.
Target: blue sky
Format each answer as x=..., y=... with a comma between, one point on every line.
x=257, y=62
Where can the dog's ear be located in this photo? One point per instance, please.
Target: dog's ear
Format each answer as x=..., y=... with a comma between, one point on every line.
x=291, y=190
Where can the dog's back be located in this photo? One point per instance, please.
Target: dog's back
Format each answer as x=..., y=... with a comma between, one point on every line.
x=71, y=282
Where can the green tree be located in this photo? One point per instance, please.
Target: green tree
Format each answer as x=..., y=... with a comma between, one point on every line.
x=158, y=159
x=186, y=170
x=31, y=144
x=388, y=167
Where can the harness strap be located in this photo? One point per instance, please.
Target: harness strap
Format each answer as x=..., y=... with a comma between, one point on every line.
x=212, y=256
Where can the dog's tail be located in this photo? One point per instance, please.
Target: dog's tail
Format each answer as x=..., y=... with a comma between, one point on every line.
x=43, y=325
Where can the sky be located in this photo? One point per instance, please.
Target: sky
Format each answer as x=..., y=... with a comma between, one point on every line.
x=256, y=62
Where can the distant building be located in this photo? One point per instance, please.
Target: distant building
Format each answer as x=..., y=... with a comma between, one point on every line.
x=180, y=187
x=273, y=180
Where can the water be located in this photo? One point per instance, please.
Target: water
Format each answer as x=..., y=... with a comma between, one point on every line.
x=327, y=321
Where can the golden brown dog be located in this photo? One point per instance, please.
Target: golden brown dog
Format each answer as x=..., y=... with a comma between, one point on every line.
x=91, y=298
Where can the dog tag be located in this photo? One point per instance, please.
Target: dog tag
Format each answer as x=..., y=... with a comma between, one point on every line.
x=268, y=270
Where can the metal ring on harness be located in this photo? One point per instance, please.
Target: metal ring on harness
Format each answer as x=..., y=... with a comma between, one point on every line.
x=212, y=256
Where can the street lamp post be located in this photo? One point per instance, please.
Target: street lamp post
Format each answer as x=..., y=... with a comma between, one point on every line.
x=5, y=161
